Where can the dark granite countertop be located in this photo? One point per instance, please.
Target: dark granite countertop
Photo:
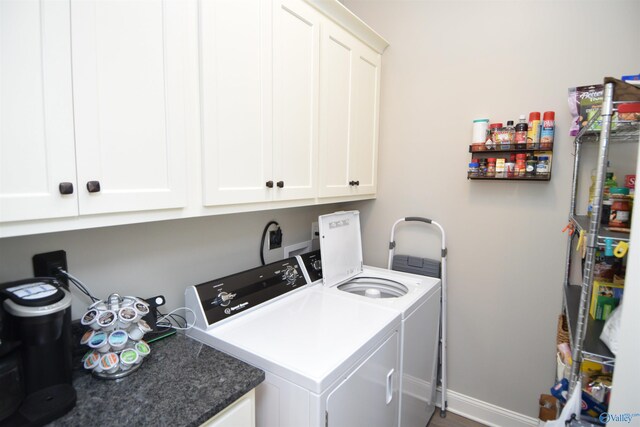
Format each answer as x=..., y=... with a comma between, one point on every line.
x=181, y=383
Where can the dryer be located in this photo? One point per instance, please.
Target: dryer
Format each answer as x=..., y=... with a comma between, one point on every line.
x=415, y=297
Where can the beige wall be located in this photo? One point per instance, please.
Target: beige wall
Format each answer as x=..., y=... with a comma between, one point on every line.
x=448, y=63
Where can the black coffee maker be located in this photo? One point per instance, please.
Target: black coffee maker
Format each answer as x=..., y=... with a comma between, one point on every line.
x=35, y=351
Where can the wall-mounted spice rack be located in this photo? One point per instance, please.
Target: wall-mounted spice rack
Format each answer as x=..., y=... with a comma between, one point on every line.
x=521, y=162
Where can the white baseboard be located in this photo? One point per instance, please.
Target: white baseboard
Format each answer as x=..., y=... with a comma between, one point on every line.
x=484, y=412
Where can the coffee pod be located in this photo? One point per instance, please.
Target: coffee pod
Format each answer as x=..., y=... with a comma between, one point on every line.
x=99, y=341
x=128, y=358
x=143, y=349
x=87, y=337
x=90, y=319
x=107, y=320
x=110, y=363
x=92, y=361
x=137, y=331
x=118, y=339
x=141, y=308
x=127, y=316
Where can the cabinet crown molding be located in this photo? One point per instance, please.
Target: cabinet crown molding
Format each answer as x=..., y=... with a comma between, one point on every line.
x=344, y=17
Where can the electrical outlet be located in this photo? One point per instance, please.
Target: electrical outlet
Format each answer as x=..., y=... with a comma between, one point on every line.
x=315, y=231
x=47, y=264
x=275, y=239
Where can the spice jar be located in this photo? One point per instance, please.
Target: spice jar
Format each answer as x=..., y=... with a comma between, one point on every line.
x=473, y=170
x=482, y=170
x=521, y=166
x=532, y=163
x=491, y=140
x=491, y=167
x=542, y=167
x=620, y=215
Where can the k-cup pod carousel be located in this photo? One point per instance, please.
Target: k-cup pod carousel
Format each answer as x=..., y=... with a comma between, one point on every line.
x=115, y=329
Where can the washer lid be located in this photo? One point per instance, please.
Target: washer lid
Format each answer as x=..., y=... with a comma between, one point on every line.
x=341, y=246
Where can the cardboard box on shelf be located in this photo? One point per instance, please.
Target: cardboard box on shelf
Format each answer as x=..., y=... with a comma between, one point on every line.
x=605, y=297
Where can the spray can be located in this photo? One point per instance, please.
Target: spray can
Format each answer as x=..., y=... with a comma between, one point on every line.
x=533, y=132
x=548, y=127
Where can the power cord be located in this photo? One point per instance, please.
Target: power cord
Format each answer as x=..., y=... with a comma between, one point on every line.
x=264, y=236
x=169, y=320
x=78, y=284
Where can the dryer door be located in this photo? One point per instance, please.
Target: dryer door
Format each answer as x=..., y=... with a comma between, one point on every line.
x=368, y=397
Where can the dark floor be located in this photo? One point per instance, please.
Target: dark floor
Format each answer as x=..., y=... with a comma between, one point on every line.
x=452, y=420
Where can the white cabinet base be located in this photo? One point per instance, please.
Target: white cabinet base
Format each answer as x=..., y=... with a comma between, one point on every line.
x=241, y=413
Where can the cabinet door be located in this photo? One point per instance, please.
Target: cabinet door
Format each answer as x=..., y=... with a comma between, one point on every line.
x=364, y=116
x=240, y=413
x=369, y=396
x=296, y=57
x=235, y=58
x=350, y=84
x=36, y=112
x=336, y=59
x=128, y=59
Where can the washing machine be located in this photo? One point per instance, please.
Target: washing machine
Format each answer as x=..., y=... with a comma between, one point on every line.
x=415, y=297
x=328, y=361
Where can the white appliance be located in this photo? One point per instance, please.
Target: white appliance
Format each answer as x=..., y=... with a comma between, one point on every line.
x=416, y=297
x=329, y=360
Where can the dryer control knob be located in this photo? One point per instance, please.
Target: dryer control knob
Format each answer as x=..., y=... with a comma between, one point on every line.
x=317, y=265
x=290, y=275
x=224, y=299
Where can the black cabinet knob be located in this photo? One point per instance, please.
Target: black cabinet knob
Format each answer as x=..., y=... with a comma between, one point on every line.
x=356, y=183
x=280, y=184
x=352, y=183
x=65, y=188
x=270, y=184
x=93, y=186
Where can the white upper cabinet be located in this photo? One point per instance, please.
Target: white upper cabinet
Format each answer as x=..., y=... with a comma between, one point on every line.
x=296, y=37
x=36, y=112
x=364, y=132
x=235, y=75
x=128, y=93
x=349, y=94
x=259, y=97
x=123, y=111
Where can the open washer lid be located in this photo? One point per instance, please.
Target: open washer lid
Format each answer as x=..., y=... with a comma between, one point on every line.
x=341, y=246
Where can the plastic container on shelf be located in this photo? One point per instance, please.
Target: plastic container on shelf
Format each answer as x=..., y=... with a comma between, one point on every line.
x=480, y=130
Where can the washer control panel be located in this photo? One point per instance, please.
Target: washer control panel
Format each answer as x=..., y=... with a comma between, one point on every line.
x=313, y=264
x=231, y=295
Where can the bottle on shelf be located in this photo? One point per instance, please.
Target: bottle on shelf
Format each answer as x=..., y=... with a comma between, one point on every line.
x=521, y=129
x=510, y=133
x=610, y=182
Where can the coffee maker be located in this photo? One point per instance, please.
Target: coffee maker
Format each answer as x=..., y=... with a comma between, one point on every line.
x=35, y=336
